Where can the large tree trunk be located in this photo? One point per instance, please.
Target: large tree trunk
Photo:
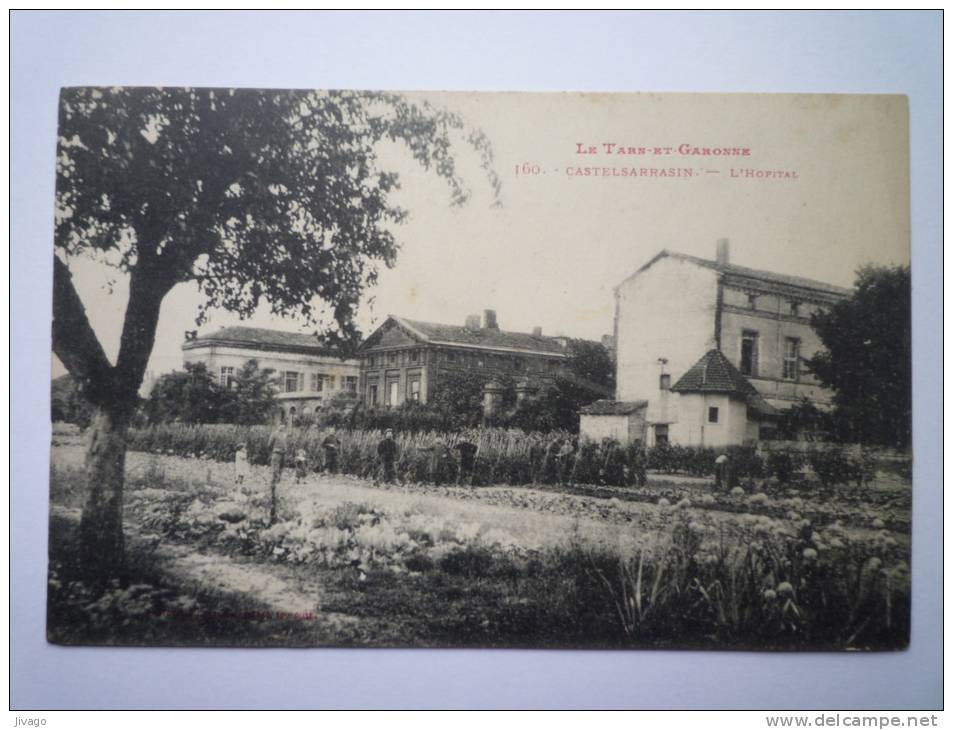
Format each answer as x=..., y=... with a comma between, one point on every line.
x=102, y=545
x=112, y=391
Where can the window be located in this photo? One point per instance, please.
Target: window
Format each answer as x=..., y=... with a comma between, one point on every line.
x=372, y=395
x=451, y=356
x=413, y=391
x=752, y=301
x=664, y=381
x=392, y=393
x=795, y=310
x=350, y=383
x=749, y=353
x=391, y=358
x=414, y=355
x=792, y=358
x=480, y=361
x=226, y=377
x=330, y=382
x=518, y=363
x=661, y=433
x=713, y=414
x=315, y=382
x=291, y=381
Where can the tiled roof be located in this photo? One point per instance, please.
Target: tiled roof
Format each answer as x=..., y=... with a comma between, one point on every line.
x=491, y=339
x=260, y=338
x=613, y=407
x=714, y=374
x=733, y=270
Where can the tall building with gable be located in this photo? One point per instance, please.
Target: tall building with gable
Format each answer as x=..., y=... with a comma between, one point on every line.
x=715, y=351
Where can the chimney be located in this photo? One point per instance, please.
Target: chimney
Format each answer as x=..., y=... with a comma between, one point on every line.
x=721, y=253
x=537, y=331
x=489, y=319
x=473, y=322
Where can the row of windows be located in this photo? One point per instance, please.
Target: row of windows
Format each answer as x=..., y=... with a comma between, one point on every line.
x=748, y=365
x=392, y=392
x=456, y=357
x=790, y=307
x=791, y=367
x=293, y=381
x=397, y=357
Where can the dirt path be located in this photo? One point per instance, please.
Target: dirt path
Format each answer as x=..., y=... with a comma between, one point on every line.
x=275, y=587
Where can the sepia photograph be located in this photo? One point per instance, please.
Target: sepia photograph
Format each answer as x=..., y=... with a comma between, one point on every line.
x=511, y=370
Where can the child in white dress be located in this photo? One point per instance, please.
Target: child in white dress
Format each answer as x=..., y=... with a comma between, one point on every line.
x=241, y=464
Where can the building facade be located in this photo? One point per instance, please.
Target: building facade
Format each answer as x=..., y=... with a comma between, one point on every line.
x=307, y=374
x=677, y=308
x=403, y=359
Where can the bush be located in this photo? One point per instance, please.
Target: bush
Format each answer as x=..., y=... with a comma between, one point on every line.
x=831, y=465
x=783, y=464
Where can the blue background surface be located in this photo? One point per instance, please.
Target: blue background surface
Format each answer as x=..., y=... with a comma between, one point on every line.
x=889, y=52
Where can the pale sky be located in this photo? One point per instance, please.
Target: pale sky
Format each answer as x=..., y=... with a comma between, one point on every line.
x=551, y=254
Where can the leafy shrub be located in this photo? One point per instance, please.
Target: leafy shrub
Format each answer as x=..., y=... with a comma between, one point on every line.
x=831, y=466
x=783, y=464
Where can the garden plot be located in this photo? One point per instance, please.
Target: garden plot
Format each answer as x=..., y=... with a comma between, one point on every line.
x=421, y=563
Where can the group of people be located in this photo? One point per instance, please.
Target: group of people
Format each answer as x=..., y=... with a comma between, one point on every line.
x=560, y=460
x=567, y=461
x=445, y=464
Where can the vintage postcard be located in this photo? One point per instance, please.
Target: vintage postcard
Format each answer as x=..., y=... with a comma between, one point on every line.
x=401, y=369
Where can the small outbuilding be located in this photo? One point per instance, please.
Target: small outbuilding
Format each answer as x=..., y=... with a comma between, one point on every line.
x=717, y=405
x=623, y=421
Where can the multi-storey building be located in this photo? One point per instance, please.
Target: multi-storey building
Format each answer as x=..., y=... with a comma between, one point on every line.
x=692, y=331
x=307, y=374
x=403, y=359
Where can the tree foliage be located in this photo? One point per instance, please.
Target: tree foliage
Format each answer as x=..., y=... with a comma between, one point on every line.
x=867, y=358
x=255, y=196
x=195, y=396
x=259, y=198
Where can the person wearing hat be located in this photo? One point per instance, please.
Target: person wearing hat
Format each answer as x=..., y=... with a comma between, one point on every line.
x=387, y=453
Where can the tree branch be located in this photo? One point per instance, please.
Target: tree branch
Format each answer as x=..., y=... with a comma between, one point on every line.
x=149, y=282
x=75, y=342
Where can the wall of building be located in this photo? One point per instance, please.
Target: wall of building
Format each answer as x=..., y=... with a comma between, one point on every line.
x=666, y=311
x=620, y=428
x=404, y=362
x=308, y=396
x=771, y=318
x=694, y=429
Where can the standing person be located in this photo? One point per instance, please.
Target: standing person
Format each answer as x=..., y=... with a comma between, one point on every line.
x=331, y=446
x=536, y=455
x=721, y=471
x=241, y=464
x=278, y=445
x=387, y=453
x=439, y=461
x=636, y=465
x=465, y=452
x=550, y=467
x=584, y=469
x=566, y=457
x=301, y=465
